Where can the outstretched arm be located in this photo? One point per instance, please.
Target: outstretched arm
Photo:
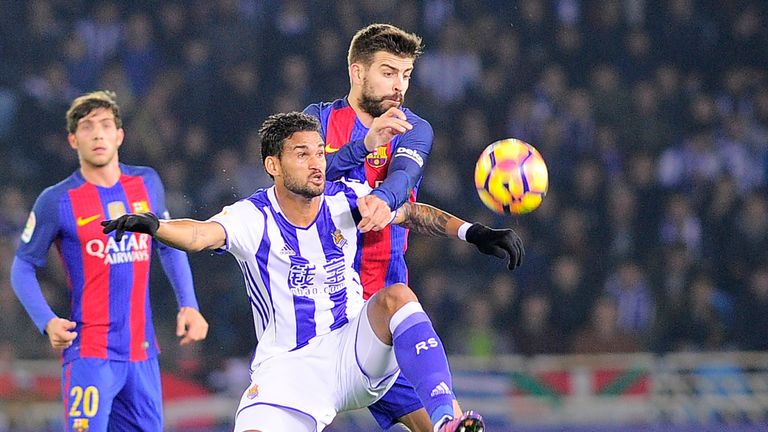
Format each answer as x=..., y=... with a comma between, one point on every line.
x=185, y=234
x=425, y=219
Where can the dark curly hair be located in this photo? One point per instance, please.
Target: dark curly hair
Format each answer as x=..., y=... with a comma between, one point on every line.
x=279, y=127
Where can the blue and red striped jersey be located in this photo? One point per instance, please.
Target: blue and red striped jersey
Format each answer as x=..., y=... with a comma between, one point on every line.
x=394, y=171
x=107, y=279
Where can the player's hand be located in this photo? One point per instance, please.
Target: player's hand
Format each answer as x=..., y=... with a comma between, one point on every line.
x=146, y=223
x=385, y=127
x=190, y=325
x=375, y=213
x=59, y=331
x=497, y=242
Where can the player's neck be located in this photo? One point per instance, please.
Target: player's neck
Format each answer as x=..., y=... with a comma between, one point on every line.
x=300, y=211
x=104, y=176
x=365, y=118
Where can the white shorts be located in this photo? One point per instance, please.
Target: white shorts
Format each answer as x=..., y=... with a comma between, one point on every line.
x=343, y=370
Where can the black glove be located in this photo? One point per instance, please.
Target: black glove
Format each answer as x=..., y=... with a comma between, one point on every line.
x=146, y=223
x=497, y=242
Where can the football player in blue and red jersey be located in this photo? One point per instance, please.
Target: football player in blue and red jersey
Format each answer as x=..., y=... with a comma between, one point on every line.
x=110, y=372
x=372, y=138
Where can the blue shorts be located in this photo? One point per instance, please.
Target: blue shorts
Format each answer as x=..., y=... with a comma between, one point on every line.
x=109, y=394
x=399, y=400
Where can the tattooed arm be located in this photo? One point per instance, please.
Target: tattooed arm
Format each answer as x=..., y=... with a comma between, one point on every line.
x=425, y=219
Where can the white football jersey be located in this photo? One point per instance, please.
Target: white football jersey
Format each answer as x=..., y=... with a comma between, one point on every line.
x=301, y=282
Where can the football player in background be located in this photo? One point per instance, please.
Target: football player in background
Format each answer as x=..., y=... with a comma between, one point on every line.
x=372, y=138
x=321, y=348
x=110, y=372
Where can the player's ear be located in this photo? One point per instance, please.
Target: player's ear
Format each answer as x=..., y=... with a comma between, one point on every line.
x=356, y=73
x=120, y=137
x=72, y=141
x=271, y=165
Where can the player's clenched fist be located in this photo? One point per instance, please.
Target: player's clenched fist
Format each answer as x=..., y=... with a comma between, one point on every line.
x=190, y=325
x=385, y=127
x=374, y=212
x=146, y=223
x=59, y=331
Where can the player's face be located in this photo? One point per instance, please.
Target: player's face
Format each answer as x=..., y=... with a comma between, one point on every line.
x=97, y=138
x=302, y=164
x=385, y=82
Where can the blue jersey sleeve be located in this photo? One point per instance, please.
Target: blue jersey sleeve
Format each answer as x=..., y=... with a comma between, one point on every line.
x=348, y=157
x=40, y=232
x=175, y=262
x=407, y=165
x=42, y=228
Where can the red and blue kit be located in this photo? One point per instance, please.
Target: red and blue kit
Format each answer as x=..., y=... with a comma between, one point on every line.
x=393, y=170
x=108, y=285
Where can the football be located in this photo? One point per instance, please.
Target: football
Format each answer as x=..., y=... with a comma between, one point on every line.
x=511, y=177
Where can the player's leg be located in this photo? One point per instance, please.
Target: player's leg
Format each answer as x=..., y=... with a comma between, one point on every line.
x=302, y=386
x=398, y=320
x=89, y=387
x=139, y=404
x=266, y=418
x=401, y=404
x=419, y=421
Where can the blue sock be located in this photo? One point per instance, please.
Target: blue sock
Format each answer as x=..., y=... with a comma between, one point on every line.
x=422, y=360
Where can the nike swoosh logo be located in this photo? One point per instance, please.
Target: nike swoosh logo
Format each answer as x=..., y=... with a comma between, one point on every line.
x=81, y=221
x=329, y=149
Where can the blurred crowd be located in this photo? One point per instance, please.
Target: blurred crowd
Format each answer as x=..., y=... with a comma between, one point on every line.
x=651, y=115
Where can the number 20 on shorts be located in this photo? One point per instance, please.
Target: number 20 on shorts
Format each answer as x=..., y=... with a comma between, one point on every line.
x=87, y=400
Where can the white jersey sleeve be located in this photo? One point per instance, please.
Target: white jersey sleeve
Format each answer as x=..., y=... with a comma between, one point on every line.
x=244, y=227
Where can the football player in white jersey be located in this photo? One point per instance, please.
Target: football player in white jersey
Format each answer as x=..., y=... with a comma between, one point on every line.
x=322, y=349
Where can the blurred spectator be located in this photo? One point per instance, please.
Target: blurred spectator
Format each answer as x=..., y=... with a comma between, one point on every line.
x=602, y=334
x=533, y=333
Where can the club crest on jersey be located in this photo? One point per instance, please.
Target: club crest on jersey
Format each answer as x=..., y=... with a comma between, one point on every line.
x=253, y=391
x=29, y=228
x=115, y=209
x=80, y=425
x=140, y=206
x=338, y=238
x=377, y=158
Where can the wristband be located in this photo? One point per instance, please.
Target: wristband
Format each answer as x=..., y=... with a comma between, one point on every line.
x=394, y=215
x=463, y=230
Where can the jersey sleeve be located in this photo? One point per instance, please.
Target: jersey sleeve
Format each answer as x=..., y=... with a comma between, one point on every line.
x=175, y=262
x=407, y=165
x=41, y=229
x=243, y=224
x=39, y=233
x=338, y=161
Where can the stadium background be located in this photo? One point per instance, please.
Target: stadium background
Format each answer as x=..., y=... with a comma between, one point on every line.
x=652, y=117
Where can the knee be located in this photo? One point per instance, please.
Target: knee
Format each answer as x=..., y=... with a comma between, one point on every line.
x=395, y=296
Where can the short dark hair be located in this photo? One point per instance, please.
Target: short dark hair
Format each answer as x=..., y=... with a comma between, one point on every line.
x=83, y=105
x=279, y=127
x=382, y=37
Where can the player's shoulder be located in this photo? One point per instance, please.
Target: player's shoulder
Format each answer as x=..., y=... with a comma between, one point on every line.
x=346, y=186
x=54, y=192
x=259, y=198
x=139, y=171
x=320, y=108
x=415, y=119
